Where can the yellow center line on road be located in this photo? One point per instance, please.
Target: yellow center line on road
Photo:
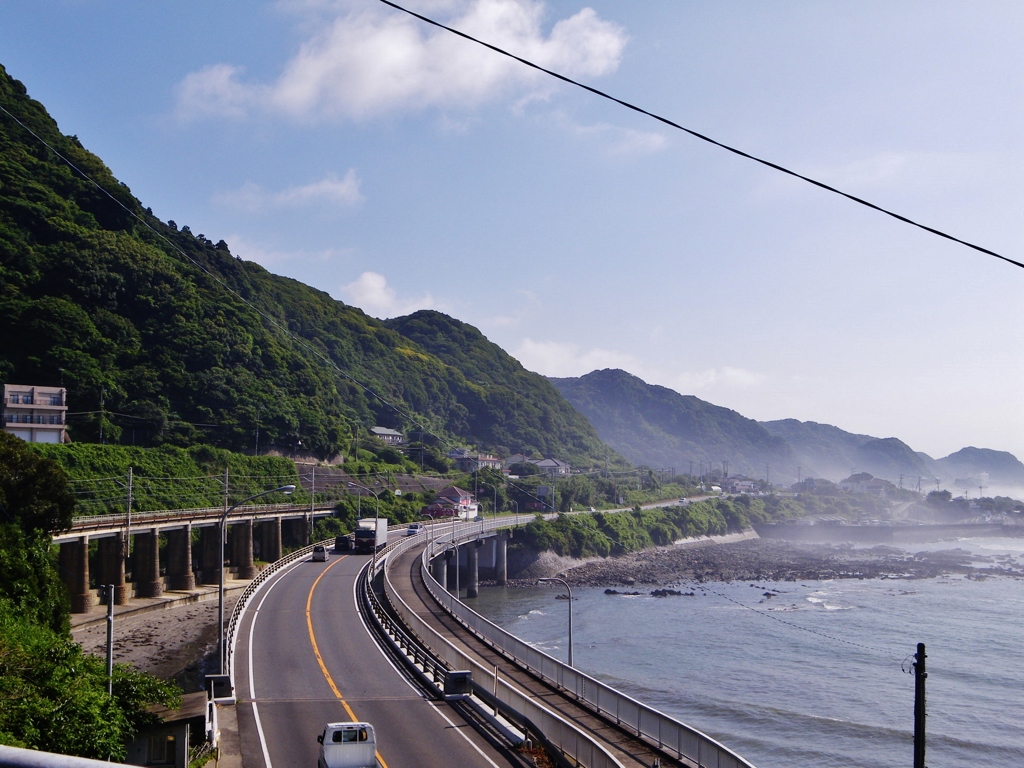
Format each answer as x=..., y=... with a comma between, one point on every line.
x=319, y=658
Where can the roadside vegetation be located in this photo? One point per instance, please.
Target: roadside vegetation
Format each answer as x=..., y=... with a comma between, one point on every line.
x=52, y=696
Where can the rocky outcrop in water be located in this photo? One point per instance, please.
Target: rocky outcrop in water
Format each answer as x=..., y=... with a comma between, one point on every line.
x=772, y=560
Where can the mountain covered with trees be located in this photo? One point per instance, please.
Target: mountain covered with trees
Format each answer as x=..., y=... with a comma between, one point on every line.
x=162, y=336
x=658, y=427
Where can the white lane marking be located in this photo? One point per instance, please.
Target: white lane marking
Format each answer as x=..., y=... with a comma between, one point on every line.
x=259, y=731
x=405, y=678
x=252, y=684
x=459, y=731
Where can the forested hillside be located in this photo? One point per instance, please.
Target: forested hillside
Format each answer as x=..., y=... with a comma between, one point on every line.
x=515, y=407
x=658, y=427
x=161, y=336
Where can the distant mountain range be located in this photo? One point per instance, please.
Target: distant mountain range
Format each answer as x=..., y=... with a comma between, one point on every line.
x=660, y=428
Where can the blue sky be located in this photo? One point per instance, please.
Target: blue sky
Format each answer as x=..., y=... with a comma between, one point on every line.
x=396, y=167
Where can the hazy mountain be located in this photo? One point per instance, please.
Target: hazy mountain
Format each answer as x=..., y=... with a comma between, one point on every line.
x=163, y=336
x=966, y=468
x=658, y=427
x=821, y=449
x=895, y=461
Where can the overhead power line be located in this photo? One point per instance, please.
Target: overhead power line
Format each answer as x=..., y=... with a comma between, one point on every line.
x=701, y=136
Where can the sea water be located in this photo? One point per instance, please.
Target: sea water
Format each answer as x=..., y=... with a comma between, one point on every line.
x=819, y=673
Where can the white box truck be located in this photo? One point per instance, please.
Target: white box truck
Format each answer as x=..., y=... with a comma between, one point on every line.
x=371, y=534
x=347, y=745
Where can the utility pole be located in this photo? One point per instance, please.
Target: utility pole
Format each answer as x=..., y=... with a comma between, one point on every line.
x=312, y=499
x=109, y=590
x=920, y=675
x=259, y=414
x=128, y=515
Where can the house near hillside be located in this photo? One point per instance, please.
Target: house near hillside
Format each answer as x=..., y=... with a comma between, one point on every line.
x=516, y=458
x=741, y=485
x=387, y=436
x=472, y=462
x=865, y=483
x=553, y=467
x=35, y=414
x=452, y=502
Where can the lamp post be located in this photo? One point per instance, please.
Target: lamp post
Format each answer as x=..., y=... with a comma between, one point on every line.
x=375, y=496
x=565, y=584
x=286, y=489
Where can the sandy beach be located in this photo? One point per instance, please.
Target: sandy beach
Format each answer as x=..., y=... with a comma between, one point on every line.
x=172, y=643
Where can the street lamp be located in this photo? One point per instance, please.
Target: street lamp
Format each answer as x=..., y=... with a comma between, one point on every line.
x=375, y=496
x=286, y=489
x=564, y=583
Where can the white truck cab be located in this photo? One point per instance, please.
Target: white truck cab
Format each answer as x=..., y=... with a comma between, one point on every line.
x=348, y=745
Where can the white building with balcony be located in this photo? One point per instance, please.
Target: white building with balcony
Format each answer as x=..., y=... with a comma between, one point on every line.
x=35, y=414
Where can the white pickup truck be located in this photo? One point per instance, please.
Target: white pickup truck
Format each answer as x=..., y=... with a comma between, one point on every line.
x=347, y=745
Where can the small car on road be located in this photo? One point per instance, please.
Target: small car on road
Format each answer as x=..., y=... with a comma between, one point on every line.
x=415, y=528
x=319, y=553
x=347, y=745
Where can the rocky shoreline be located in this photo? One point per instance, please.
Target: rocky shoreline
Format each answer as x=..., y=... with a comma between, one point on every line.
x=766, y=560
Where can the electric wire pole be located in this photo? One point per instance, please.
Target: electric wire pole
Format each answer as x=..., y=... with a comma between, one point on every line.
x=920, y=675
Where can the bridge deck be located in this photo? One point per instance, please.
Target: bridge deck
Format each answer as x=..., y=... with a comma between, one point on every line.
x=624, y=745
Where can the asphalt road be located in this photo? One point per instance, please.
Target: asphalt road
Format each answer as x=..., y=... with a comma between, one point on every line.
x=304, y=658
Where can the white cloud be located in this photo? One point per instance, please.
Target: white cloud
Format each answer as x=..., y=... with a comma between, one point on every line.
x=343, y=192
x=271, y=258
x=372, y=294
x=363, y=63
x=213, y=91
x=619, y=141
x=691, y=382
x=560, y=359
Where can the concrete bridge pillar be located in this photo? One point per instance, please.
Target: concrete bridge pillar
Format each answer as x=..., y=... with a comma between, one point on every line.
x=271, y=544
x=209, y=554
x=296, y=532
x=439, y=567
x=74, y=567
x=179, y=559
x=501, y=559
x=473, y=568
x=110, y=566
x=452, y=581
x=147, y=564
x=242, y=560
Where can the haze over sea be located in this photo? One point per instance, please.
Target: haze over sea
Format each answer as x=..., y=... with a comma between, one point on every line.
x=811, y=676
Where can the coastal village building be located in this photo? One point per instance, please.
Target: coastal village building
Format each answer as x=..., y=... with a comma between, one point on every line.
x=865, y=483
x=467, y=462
x=388, y=436
x=553, y=467
x=548, y=466
x=452, y=502
x=516, y=458
x=35, y=414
